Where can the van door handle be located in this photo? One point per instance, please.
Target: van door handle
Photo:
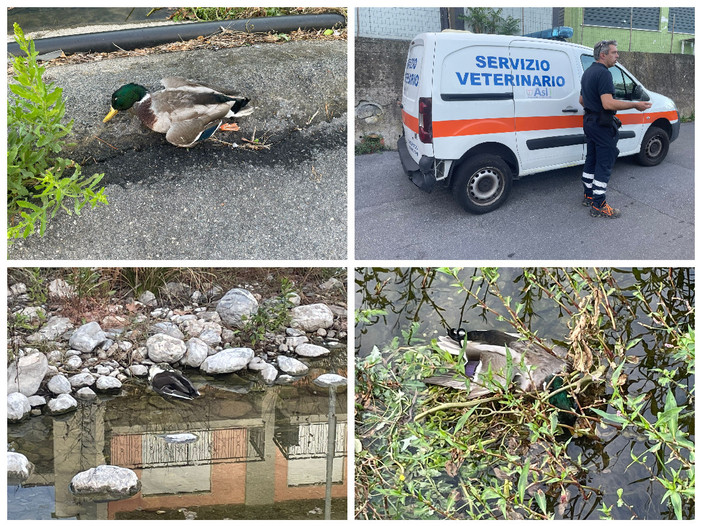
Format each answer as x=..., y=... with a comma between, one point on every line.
x=570, y=110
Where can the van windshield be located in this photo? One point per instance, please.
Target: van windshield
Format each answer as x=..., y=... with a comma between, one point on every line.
x=623, y=83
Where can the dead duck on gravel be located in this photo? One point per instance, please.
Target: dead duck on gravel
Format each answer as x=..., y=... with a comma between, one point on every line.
x=168, y=382
x=185, y=111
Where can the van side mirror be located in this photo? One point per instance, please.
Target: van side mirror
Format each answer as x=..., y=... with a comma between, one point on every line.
x=639, y=93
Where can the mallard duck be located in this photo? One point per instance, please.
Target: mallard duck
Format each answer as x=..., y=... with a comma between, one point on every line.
x=533, y=367
x=185, y=111
x=166, y=381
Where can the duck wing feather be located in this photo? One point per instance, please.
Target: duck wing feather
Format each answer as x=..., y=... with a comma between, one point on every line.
x=175, y=385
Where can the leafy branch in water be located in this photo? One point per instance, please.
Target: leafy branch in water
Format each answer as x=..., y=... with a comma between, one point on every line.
x=39, y=181
x=425, y=452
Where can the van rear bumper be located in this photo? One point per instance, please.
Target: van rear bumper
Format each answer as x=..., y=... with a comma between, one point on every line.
x=421, y=174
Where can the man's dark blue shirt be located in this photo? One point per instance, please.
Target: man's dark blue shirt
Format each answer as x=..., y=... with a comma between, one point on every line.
x=596, y=81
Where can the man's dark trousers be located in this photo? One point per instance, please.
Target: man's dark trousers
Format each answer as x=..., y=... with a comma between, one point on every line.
x=600, y=156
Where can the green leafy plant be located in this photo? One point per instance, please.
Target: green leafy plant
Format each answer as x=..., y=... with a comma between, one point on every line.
x=271, y=315
x=39, y=181
x=370, y=144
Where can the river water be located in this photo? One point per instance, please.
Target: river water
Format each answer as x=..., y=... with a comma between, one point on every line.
x=252, y=452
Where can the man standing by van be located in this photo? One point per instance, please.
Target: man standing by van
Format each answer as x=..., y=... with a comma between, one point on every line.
x=601, y=127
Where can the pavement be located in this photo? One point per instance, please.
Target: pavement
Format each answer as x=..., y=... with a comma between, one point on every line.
x=542, y=220
x=211, y=201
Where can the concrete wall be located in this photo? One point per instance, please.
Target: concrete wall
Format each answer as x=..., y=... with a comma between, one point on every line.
x=670, y=75
x=380, y=69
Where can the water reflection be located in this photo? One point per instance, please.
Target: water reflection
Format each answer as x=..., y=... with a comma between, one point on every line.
x=414, y=305
x=251, y=455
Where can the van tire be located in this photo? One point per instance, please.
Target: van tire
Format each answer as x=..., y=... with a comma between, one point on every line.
x=654, y=147
x=482, y=183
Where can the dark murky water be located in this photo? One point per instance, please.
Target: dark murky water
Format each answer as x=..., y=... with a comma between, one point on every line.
x=258, y=454
x=433, y=303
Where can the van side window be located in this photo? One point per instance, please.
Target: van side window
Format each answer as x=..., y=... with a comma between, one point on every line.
x=623, y=83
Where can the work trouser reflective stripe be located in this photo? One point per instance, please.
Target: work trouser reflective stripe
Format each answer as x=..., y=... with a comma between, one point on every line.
x=600, y=156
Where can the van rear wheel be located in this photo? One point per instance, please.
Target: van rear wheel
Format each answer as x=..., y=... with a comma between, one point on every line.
x=654, y=147
x=482, y=183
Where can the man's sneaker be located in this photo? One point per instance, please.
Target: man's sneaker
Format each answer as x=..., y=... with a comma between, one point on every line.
x=604, y=210
x=587, y=200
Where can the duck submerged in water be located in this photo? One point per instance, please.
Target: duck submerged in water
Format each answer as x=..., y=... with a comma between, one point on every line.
x=185, y=111
x=168, y=382
x=533, y=367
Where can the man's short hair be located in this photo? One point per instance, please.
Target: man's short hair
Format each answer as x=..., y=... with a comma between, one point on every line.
x=603, y=47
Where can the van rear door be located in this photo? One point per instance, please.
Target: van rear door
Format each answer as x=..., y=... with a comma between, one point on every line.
x=549, y=118
x=410, y=99
x=475, y=105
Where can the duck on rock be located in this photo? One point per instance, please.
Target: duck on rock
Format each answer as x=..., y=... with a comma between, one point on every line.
x=533, y=367
x=185, y=111
x=168, y=382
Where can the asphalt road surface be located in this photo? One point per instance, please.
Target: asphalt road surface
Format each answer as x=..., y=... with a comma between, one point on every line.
x=212, y=202
x=542, y=220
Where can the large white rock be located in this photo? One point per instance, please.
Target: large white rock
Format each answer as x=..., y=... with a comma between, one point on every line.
x=138, y=369
x=235, y=306
x=167, y=327
x=18, y=407
x=227, y=361
x=86, y=337
x=81, y=380
x=291, y=366
x=164, y=348
x=196, y=352
x=330, y=380
x=269, y=373
x=107, y=383
x=52, y=330
x=73, y=363
x=59, y=384
x=310, y=350
x=25, y=374
x=85, y=393
x=106, y=482
x=19, y=468
x=309, y=318
x=63, y=403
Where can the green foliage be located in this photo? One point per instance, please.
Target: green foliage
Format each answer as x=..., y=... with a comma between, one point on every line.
x=666, y=440
x=271, y=316
x=39, y=182
x=489, y=20
x=370, y=144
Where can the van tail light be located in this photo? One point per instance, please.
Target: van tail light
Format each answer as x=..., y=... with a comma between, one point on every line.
x=425, y=133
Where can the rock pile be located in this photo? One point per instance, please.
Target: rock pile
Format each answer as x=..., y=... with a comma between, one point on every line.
x=60, y=362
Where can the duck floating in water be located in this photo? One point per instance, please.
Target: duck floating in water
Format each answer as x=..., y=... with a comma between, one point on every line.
x=185, y=111
x=168, y=382
x=533, y=367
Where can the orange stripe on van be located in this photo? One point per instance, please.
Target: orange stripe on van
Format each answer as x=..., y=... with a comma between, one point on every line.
x=411, y=122
x=457, y=128
x=645, y=118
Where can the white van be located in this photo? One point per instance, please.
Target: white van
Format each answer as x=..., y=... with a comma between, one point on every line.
x=479, y=110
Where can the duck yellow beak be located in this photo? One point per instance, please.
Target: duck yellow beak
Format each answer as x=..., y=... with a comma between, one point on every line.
x=112, y=113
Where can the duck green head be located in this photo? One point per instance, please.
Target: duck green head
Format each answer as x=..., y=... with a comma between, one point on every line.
x=124, y=98
x=562, y=401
